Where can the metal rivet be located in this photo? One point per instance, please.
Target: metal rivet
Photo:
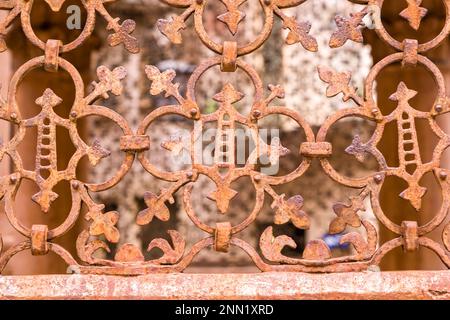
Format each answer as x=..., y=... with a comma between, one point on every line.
x=443, y=175
x=438, y=108
x=256, y=113
x=73, y=114
x=378, y=178
x=193, y=111
x=13, y=115
x=75, y=184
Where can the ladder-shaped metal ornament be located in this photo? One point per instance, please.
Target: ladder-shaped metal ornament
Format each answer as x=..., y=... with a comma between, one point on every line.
x=409, y=153
x=224, y=152
x=46, y=170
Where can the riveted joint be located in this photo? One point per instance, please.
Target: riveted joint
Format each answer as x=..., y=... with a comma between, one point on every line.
x=316, y=149
x=410, y=235
x=229, y=56
x=39, y=234
x=410, y=52
x=222, y=236
x=52, y=50
x=441, y=106
x=134, y=143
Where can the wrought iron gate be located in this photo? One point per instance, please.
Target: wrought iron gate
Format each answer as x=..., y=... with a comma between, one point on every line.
x=316, y=257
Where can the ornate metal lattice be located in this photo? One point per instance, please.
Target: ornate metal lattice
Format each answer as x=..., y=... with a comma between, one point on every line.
x=316, y=257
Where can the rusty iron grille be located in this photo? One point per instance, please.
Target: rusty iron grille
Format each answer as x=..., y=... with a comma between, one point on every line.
x=101, y=232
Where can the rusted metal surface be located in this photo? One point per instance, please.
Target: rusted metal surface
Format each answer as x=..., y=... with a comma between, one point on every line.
x=102, y=232
x=271, y=285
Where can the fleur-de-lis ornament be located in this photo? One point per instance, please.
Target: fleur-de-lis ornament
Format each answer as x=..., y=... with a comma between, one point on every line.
x=414, y=13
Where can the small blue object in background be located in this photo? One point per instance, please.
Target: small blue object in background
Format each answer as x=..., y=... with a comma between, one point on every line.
x=332, y=241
